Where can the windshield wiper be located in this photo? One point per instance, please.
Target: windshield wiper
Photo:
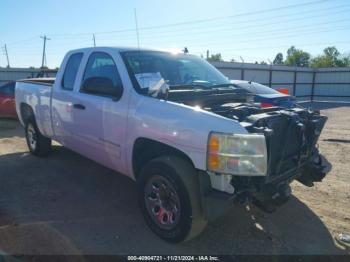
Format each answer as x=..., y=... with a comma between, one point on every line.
x=188, y=87
x=224, y=85
x=198, y=87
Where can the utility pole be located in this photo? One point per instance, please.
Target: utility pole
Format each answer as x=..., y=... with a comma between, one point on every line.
x=94, y=39
x=137, y=29
x=7, y=56
x=44, y=50
x=207, y=54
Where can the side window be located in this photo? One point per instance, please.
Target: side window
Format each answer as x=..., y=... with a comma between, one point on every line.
x=101, y=70
x=70, y=73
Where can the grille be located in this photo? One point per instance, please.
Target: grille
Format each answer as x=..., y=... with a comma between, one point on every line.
x=291, y=136
x=285, y=145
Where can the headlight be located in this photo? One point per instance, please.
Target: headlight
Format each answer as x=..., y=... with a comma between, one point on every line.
x=237, y=154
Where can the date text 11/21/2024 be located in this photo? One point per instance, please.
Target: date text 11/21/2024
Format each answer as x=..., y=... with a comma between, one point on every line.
x=173, y=258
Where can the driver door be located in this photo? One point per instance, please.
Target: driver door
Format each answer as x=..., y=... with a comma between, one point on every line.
x=100, y=119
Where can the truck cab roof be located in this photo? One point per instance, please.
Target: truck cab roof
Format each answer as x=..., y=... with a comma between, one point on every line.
x=123, y=49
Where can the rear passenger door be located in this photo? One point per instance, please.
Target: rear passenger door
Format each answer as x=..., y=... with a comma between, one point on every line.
x=63, y=98
x=99, y=116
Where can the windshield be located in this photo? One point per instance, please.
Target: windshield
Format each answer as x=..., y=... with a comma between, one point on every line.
x=177, y=70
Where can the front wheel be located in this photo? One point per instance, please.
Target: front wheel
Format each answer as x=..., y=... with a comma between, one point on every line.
x=169, y=197
x=38, y=144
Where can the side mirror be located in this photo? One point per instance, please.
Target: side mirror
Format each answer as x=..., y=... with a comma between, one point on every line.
x=102, y=86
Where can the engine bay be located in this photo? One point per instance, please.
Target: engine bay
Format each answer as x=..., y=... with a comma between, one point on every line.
x=291, y=134
x=291, y=140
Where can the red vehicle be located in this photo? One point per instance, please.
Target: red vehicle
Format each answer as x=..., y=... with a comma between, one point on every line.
x=7, y=100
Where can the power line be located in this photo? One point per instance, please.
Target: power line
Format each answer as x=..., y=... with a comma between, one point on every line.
x=237, y=26
x=293, y=29
x=258, y=40
x=201, y=20
x=22, y=41
x=206, y=31
x=220, y=26
x=276, y=36
x=161, y=26
x=237, y=15
x=259, y=20
x=286, y=46
x=297, y=33
x=171, y=28
x=234, y=41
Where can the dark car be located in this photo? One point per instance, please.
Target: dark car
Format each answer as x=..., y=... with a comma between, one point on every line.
x=265, y=95
x=7, y=100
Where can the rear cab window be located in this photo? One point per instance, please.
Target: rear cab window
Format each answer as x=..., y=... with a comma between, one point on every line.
x=71, y=70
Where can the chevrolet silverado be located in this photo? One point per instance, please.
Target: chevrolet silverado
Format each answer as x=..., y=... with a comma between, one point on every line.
x=193, y=142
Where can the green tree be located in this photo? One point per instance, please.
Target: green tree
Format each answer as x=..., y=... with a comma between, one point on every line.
x=215, y=58
x=297, y=57
x=278, y=59
x=331, y=57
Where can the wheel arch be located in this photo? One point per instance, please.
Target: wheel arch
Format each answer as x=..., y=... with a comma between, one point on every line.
x=146, y=149
x=26, y=112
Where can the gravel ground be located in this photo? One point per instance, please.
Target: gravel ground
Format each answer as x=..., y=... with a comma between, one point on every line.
x=67, y=204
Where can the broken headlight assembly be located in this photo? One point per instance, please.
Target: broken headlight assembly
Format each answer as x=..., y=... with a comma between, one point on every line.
x=237, y=154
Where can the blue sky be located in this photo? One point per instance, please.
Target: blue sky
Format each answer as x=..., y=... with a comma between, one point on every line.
x=247, y=29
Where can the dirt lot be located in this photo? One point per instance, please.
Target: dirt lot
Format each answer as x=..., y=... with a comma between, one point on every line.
x=67, y=204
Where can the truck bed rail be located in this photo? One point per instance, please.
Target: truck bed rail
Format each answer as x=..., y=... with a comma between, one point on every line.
x=40, y=81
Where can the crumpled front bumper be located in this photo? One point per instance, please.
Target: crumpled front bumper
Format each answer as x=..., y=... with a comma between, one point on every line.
x=265, y=194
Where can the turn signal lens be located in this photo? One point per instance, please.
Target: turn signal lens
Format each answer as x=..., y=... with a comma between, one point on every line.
x=213, y=145
x=213, y=162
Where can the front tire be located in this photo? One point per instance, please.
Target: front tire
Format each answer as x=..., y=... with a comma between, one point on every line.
x=169, y=197
x=38, y=144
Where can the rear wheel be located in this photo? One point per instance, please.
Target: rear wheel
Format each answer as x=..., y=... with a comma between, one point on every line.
x=169, y=197
x=38, y=144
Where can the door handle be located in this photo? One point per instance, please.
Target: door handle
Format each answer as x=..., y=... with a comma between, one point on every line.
x=79, y=106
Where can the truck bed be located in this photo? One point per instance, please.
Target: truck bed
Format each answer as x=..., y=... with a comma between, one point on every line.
x=36, y=92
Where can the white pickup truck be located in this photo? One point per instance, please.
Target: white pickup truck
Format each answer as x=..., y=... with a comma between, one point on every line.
x=192, y=141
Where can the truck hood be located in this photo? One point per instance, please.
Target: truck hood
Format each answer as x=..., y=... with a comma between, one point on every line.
x=180, y=124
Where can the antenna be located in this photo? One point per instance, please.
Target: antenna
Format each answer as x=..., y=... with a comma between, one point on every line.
x=7, y=56
x=137, y=29
x=252, y=79
x=43, y=61
x=94, y=39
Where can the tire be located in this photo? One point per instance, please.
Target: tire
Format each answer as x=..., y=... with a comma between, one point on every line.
x=38, y=144
x=186, y=219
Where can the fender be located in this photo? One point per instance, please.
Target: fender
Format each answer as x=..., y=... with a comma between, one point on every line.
x=182, y=127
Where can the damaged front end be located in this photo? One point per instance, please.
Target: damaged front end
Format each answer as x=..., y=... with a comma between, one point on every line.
x=291, y=137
